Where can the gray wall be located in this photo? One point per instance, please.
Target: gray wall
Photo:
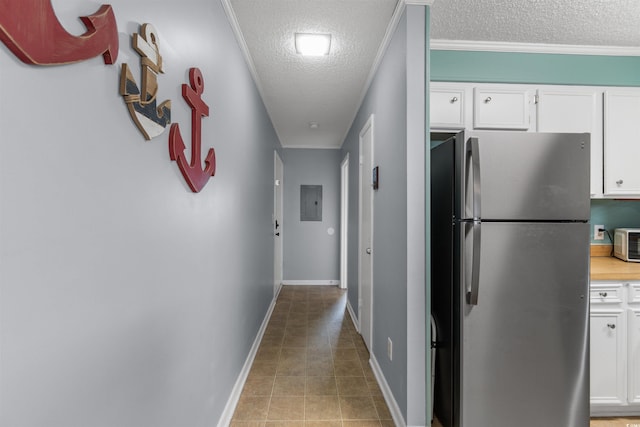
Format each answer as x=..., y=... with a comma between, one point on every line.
x=399, y=152
x=310, y=252
x=126, y=299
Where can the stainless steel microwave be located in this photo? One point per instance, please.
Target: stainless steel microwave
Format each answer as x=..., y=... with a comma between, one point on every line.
x=626, y=244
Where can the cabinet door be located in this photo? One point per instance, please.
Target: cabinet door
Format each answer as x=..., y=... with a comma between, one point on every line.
x=622, y=143
x=501, y=108
x=633, y=357
x=608, y=354
x=447, y=107
x=575, y=111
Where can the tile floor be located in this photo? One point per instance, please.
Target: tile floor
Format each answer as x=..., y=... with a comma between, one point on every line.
x=311, y=368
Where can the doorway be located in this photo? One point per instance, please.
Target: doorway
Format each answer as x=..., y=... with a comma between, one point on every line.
x=278, y=187
x=365, y=246
x=344, y=220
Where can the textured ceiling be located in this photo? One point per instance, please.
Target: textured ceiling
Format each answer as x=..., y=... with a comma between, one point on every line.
x=568, y=22
x=298, y=90
x=328, y=90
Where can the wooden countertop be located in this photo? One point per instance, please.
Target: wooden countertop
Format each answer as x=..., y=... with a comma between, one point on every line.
x=604, y=267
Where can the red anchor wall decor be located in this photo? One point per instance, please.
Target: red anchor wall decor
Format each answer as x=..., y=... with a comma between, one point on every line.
x=31, y=30
x=193, y=173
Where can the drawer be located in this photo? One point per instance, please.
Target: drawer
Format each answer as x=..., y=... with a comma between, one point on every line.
x=634, y=293
x=606, y=294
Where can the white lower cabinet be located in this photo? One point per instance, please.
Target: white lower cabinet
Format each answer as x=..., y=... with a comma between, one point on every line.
x=615, y=349
x=633, y=339
x=607, y=357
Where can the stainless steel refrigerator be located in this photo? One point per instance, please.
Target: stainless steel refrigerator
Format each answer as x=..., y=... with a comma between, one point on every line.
x=510, y=279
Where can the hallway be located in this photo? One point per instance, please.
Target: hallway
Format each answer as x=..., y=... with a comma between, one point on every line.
x=312, y=367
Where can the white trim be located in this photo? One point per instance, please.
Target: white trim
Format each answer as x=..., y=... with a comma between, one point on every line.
x=396, y=413
x=344, y=221
x=234, y=397
x=363, y=175
x=278, y=188
x=417, y=201
x=311, y=283
x=489, y=46
x=354, y=318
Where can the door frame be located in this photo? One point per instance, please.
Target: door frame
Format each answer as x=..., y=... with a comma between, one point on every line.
x=344, y=221
x=278, y=212
x=364, y=175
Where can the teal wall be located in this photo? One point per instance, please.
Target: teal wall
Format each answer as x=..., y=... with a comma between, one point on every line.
x=614, y=214
x=540, y=68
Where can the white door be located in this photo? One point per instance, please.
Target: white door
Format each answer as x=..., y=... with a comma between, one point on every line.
x=344, y=220
x=278, y=174
x=365, y=255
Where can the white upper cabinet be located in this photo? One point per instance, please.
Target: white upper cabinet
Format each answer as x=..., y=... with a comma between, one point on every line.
x=447, y=107
x=501, y=108
x=622, y=142
x=574, y=110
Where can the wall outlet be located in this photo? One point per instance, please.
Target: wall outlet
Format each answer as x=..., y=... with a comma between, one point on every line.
x=598, y=232
x=389, y=348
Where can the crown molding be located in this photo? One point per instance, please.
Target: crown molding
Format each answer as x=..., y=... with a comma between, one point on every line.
x=235, y=26
x=419, y=2
x=487, y=46
x=401, y=5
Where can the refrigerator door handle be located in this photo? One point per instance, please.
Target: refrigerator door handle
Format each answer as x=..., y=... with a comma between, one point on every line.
x=473, y=162
x=474, y=288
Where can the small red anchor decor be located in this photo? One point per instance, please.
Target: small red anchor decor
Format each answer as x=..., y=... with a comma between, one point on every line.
x=31, y=30
x=192, y=172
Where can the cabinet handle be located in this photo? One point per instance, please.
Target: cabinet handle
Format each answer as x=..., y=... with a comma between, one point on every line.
x=488, y=99
x=611, y=326
x=603, y=294
x=619, y=182
x=454, y=99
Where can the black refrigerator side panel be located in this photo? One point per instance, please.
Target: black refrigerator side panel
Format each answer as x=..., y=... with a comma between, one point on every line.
x=442, y=281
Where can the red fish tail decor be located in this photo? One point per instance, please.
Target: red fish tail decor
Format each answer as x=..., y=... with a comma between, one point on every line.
x=32, y=31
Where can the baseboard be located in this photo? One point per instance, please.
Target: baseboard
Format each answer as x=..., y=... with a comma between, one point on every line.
x=615, y=411
x=353, y=316
x=311, y=282
x=232, y=402
x=396, y=413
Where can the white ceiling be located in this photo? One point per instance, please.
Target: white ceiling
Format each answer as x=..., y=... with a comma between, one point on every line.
x=328, y=90
x=565, y=22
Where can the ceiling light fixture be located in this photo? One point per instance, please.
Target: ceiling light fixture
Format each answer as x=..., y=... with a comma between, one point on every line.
x=313, y=44
x=313, y=125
